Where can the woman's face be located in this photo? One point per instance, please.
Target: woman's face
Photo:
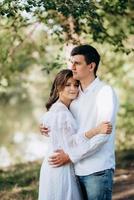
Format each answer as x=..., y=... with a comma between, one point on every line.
x=70, y=91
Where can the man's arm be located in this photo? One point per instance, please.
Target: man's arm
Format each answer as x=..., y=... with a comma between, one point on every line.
x=107, y=106
x=61, y=158
x=106, y=111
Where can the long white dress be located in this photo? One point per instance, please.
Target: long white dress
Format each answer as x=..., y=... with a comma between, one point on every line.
x=60, y=183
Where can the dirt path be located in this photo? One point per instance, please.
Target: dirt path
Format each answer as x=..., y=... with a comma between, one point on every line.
x=124, y=184
x=20, y=182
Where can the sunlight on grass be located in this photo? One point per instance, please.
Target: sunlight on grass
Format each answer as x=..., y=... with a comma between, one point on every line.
x=20, y=182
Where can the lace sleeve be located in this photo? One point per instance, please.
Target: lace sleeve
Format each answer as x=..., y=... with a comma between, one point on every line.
x=74, y=144
x=45, y=119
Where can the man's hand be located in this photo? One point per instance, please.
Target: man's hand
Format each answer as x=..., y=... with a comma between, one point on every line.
x=44, y=130
x=59, y=158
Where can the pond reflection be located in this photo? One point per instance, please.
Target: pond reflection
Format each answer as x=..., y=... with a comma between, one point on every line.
x=20, y=112
x=23, y=148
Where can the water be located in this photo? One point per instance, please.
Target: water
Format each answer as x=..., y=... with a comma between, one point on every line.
x=20, y=113
x=23, y=148
x=20, y=140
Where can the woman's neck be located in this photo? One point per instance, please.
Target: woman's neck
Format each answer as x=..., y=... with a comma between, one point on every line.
x=66, y=102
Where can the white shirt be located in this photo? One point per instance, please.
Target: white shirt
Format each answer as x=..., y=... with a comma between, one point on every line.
x=97, y=103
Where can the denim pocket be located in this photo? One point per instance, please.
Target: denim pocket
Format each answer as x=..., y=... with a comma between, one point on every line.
x=101, y=173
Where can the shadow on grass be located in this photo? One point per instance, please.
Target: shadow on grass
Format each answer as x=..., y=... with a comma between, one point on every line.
x=124, y=176
x=125, y=158
x=20, y=182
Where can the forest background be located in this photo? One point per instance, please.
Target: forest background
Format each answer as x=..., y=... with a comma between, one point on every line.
x=35, y=41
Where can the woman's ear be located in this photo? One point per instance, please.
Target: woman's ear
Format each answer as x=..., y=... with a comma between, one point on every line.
x=59, y=93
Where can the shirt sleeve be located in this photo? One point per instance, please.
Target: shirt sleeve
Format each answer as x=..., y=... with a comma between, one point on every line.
x=75, y=145
x=107, y=107
x=67, y=124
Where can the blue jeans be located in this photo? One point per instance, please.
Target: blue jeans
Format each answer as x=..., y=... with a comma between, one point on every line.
x=97, y=186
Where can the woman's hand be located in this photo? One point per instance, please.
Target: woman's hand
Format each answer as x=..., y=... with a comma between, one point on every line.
x=104, y=128
x=44, y=130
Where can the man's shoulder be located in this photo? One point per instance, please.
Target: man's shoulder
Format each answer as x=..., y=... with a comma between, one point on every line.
x=100, y=85
x=104, y=86
x=106, y=91
x=102, y=82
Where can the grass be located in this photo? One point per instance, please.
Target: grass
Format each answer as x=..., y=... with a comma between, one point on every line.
x=20, y=182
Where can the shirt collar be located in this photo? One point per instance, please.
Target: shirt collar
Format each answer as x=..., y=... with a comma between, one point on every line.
x=91, y=86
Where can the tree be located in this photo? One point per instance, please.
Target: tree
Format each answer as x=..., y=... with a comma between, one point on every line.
x=35, y=31
x=103, y=20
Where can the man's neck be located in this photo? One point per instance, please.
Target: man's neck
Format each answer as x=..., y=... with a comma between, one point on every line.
x=87, y=81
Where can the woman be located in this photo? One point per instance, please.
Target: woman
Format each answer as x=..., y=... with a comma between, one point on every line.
x=60, y=182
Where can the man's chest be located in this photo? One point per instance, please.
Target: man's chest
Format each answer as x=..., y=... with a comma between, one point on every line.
x=84, y=109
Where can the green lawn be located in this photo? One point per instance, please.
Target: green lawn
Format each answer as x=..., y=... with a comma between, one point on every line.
x=20, y=182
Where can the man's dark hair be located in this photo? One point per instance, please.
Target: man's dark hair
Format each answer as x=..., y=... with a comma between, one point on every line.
x=90, y=54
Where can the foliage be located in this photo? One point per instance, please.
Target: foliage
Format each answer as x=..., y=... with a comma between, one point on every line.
x=33, y=34
x=66, y=21
x=104, y=21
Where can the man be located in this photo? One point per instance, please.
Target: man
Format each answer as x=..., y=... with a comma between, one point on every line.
x=96, y=102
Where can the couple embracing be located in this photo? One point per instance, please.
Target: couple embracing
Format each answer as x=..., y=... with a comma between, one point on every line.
x=80, y=123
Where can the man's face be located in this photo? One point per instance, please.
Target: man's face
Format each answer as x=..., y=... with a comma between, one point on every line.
x=79, y=67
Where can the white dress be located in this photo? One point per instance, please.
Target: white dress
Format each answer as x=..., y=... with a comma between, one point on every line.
x=60, y=183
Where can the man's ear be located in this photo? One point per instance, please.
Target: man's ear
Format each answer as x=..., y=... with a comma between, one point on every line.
x=92, y=66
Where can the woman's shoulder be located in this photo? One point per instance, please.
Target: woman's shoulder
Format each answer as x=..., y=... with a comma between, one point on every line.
x=60, y=111
x=59, y=116
x=58, y=107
